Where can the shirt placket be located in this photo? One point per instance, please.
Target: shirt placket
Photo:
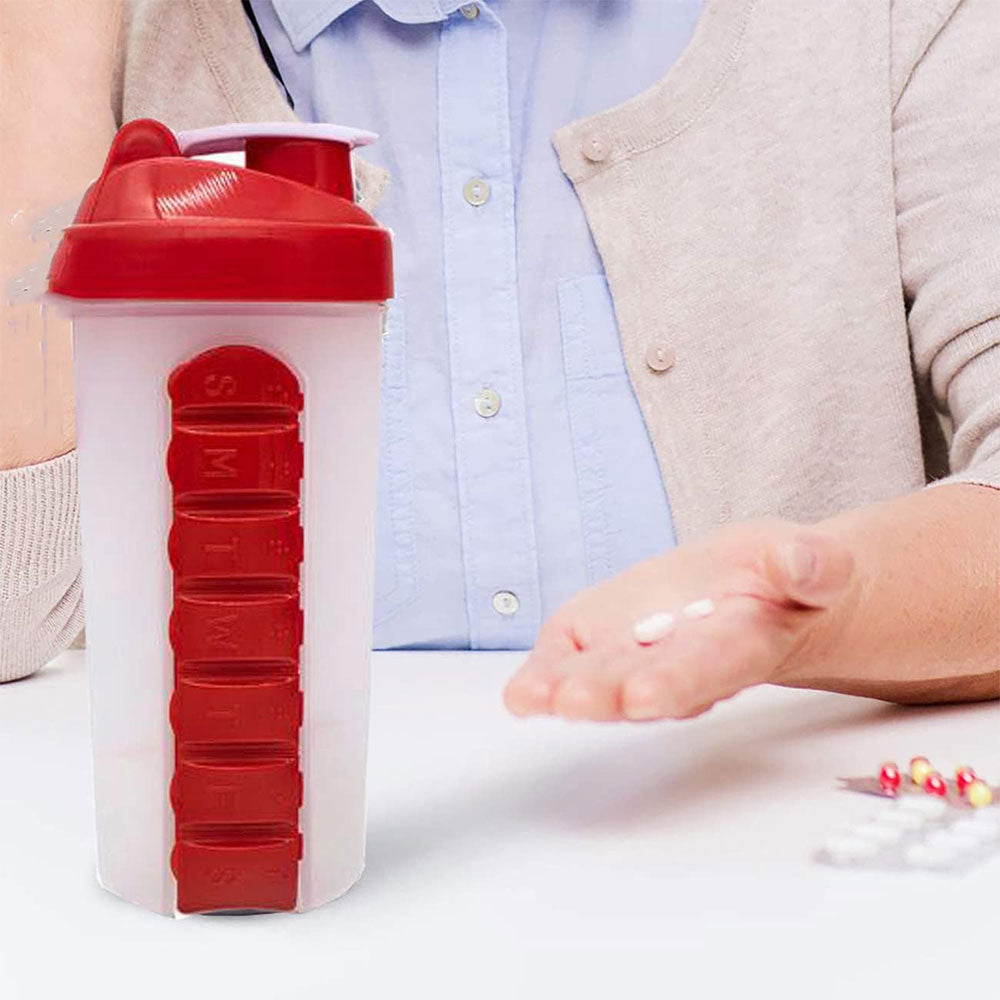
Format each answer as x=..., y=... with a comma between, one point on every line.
x=484, y=336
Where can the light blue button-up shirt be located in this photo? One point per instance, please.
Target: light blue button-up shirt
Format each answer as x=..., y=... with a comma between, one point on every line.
x=515, y=465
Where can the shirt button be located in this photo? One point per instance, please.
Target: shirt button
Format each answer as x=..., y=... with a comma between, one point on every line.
x=487, y=402
x=596, y=146
x=470, y=11
x=505, y=603
x=659, y=357
x=476, y=191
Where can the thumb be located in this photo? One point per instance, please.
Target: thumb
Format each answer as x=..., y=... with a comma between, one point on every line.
x=811, y=567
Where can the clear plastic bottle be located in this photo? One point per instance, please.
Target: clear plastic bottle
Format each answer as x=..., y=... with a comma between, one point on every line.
x=227, y=331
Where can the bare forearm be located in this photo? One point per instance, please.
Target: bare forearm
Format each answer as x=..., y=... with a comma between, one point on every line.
x=56, y=60
x=922, y=622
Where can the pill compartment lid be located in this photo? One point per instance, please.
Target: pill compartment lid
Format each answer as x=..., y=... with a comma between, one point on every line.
x=160, y=225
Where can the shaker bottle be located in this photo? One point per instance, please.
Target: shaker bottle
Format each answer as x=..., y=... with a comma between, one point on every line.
x=227, y=331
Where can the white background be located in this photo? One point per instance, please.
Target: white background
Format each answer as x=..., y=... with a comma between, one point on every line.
x=530, y=859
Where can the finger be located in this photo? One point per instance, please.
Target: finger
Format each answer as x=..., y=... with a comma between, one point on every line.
x=705, y=661
x=530, y=690
x=592, y=689
x=590, y=683
x=810, y=567
x=562, y=640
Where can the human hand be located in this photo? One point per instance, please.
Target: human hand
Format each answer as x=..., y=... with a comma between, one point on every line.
x=735, y=609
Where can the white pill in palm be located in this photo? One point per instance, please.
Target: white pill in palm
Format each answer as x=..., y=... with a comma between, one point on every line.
x=653, y=627
x=699, y=609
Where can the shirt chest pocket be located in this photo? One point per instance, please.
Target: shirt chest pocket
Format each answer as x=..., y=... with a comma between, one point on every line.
x=395, y=536
x=624, y=512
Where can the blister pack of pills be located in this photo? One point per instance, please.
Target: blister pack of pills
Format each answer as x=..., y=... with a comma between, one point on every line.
x=921, y=832
x=929, y=822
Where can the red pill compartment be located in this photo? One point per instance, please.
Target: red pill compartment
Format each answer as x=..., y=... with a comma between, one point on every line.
x=262, y=791
x=256, y=544
x=235, y=464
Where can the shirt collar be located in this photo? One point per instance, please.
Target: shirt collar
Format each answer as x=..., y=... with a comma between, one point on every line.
x=303, y=20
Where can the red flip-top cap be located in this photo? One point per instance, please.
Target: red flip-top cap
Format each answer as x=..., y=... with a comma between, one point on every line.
x=159, y=225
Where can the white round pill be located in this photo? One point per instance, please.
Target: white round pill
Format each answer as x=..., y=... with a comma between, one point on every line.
x=967, y=826
x=930, y=856
x=943, y=855
x=973, y=832
x=945, y=839
x=989, y=818
x=916, y=856
x=878, y=833
x=925, y=805
x=850, y=848
x=964, y=841
x=903, y=819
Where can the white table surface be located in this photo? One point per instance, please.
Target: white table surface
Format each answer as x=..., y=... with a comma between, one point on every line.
x=526, y=858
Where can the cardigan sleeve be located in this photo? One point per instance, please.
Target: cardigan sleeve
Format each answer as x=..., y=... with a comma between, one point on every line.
x=946, y=135
x=41, y=597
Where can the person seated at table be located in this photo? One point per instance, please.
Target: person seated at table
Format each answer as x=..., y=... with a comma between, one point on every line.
x=683, y=289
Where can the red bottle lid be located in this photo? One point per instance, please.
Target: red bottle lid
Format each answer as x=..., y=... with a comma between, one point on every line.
x=159, y=225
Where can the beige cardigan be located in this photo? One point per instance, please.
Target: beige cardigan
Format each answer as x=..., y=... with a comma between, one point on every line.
x=800, y=225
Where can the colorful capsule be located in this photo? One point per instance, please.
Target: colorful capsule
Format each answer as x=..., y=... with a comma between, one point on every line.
x=934, y=784
x=964, y=777
x=979, y=794
x=920, y=767
x=889, y=777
